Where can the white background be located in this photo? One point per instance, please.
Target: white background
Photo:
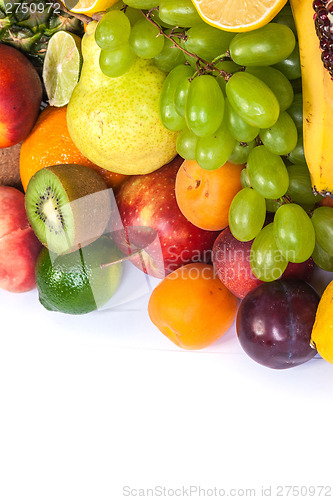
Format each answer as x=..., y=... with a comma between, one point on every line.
x=93, y=403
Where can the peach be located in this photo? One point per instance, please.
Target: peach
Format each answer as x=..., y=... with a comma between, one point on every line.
x=20, y=96
x=19, y=247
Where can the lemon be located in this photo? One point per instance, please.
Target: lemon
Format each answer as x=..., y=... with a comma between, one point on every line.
x=89, y=7
x=61, y=69
x=238, y=15
x=75, y=283
x=322, y=332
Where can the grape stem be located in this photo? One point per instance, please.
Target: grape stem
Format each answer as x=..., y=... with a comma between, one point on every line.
x=202, y=65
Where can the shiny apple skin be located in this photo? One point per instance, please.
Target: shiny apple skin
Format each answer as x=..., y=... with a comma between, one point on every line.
x=274, y=323
x=149, y=201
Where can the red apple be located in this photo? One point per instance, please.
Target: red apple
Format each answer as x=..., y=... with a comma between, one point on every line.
x=20, y=96
x=231, y=260
x=151, y=217
x=19, y=247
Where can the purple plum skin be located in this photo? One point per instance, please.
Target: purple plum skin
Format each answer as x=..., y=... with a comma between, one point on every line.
x=274, y=323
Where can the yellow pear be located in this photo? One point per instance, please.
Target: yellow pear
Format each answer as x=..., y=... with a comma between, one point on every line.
x=115, y=121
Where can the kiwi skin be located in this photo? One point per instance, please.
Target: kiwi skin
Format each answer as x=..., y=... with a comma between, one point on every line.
x=9, y=167
x=90, y=214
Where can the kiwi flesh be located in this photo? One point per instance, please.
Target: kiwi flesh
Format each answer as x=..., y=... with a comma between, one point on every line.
x=68, y=206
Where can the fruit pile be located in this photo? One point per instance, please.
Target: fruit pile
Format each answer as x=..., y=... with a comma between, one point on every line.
x=177, y=144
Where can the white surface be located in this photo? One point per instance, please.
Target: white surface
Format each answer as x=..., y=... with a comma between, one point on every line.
x=93, y=403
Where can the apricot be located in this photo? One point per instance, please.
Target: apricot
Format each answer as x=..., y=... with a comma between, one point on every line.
x=19, y=247
x=192, y=307
x=204, y=196
x=20, y=96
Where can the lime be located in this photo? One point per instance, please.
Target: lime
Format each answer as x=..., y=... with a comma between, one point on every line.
x=75, y=283
x=62, y=66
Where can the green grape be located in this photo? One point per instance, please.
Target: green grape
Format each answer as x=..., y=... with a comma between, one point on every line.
x=170, y=56
x=322, y=259
x=113, y=30
x=281, y=138
x=204, y=106
x=322, y=220
x=154, y=15
x=277, y=82
x=145, y=39
x=186, y=144
x=285, y=16
x=296, y=111
x=291, y=66
x=206, y=42
x=241, y=152
x=168, y=114
x=133, y=14
x=179, y=13
x=213, y=151
x=272, y=205
x=300, y=188
x=253, y=100
x=116, y=6
x=229, y=67
x=294, y=233
x=142, y=4
x=247, y=214
x=297, y=85
x=297, y=155
x=268, y=174
x=244, y=178
x=239, y=128
x=117, y=62
x=181, y=94
x=267, y=262
x=264, y=46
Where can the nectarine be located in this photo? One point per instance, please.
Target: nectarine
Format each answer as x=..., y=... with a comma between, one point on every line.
x=19, y=247
x=20, y=96
x=204, y=196
x=192, y=307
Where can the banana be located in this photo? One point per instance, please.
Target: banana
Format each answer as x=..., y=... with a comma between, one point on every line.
x=317, y=101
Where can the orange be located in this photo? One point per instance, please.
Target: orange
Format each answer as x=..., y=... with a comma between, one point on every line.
x=238, y=15
x=49, y=144
x=89, y=7
x=192, y=307
x=204, y=196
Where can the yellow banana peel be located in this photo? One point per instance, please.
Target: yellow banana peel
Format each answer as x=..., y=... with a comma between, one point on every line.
x=317, y=101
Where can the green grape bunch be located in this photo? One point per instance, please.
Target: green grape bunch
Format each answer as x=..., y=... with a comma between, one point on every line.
x=232, y=97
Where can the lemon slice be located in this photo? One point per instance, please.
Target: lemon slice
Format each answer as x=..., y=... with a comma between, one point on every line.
x=89, y=7
x=61, y=68
x=238, y=15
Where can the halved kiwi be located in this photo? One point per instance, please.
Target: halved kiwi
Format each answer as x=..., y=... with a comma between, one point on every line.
x=68, y=206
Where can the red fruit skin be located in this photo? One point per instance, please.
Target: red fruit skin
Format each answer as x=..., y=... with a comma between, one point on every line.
x=231, y=259
x=20, y=96
x=19, y=247
x=150, y=201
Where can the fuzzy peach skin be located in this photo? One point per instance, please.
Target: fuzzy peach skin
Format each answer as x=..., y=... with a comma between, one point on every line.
x=20, y=96
x=19, y=247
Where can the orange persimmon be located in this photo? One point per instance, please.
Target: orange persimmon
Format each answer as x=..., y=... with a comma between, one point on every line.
x=204, y=196
x=192, y=307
